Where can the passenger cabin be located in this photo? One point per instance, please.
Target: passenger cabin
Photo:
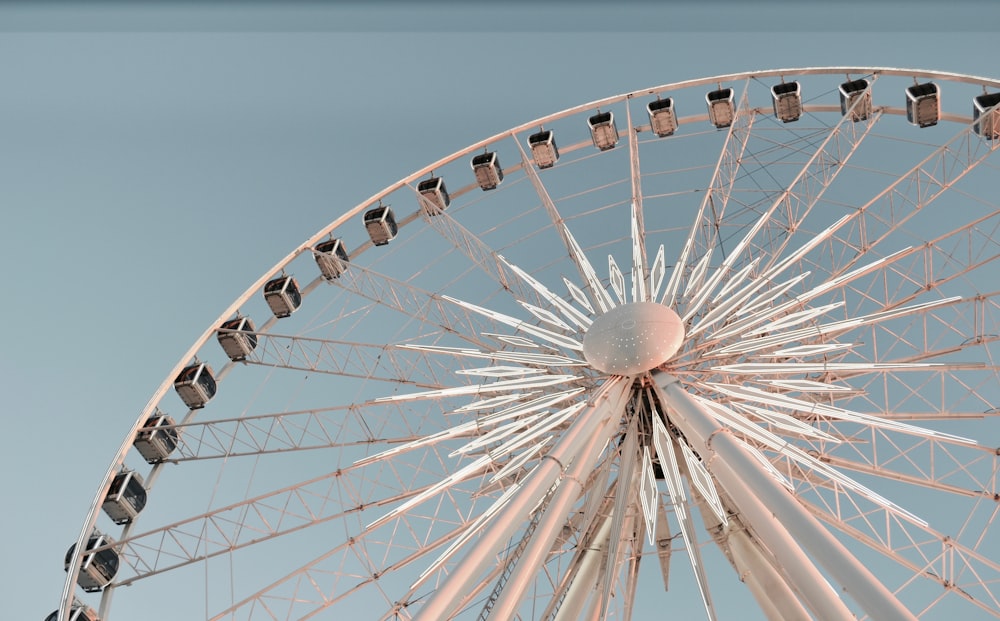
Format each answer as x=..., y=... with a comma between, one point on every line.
x=157, y=439
x=435, y=196
x=381, y=225
x=543, y=149
x=331, y=258
x=721, y=110
x=486, y=167
x=97, y=569
x=856, y=100
x=787, y=100
x=78, y=612
x=125, y=498
x=282, y=295
x=662, y=117
x=237, y=338
x=923, y=104
x=987, y=122
x=603, y=131
x=195, y=385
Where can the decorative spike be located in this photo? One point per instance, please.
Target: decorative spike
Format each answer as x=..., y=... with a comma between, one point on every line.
x=596, y=288
x=617, y=280
x=546, y=335
x=782, y=447
x=499, y=371
x=703, y=483
x=573, y=315
x=656, y=273
x=664, y=543
x=489, y=404
x=694, y=281
x=670, y=293
x=478, y=389
x=545, y=316
x=520, y=460
x=648, y=495
x=663, y=444
x=578, y=295
x=545, y=360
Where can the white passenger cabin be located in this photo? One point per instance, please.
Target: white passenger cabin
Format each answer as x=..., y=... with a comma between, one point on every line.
x=603, y=130
x=434, y=196
x=237, y=338
x=543, y=149
x=486, y=168
x=157, y=439
x=721, y=110
x=923, y=104
x=77, y=612
x=856, y=100
x=331, y=258
x=97, y=569
x=380, y=223
x=195, y=385
x=787, y=100
x=282, y=296
x=662, y=117
x=987, y=122
x=126, y=497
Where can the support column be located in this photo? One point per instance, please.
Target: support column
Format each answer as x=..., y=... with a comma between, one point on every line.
x=773, y=594
x=781, y=521
x=582, y=587
x=548, y=528
x=591, y=422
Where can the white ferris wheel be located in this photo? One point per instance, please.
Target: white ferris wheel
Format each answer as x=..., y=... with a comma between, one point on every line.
x=729, y=337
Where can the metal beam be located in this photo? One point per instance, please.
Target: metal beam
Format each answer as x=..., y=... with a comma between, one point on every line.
x=777, y=517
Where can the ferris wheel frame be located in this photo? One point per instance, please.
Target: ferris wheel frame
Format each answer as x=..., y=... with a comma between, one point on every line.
x=351, y=217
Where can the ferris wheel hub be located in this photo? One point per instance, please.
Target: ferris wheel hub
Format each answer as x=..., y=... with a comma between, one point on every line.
x=633, y=338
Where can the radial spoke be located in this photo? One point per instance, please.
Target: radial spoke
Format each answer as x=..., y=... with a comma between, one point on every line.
x=414, y=303
x=704, y=226
x=388, y=363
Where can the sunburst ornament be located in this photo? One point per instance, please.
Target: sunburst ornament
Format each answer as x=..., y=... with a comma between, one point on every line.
x=536, y=429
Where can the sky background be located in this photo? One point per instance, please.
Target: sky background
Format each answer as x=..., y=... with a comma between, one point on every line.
x=157, y=159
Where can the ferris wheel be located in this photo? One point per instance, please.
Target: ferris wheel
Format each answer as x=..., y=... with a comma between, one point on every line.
x=725, y=342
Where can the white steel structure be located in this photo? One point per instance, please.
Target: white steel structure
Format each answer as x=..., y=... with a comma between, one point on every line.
x=765, y=353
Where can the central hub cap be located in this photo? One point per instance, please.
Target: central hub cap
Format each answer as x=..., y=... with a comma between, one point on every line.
x=633, y=338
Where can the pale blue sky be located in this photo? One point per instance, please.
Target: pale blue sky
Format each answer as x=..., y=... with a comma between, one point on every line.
x=154, y=161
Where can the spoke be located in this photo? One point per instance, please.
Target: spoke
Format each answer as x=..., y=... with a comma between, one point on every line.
x=239, y=525
x=334, y=427
x=704, y=227
x=799, y=197
x=597, y=291
x=481, y=255
x=387, y=363
x=414, y=303
x=638, y=229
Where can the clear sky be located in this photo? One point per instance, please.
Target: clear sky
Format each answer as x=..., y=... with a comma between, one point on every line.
x=156, y=160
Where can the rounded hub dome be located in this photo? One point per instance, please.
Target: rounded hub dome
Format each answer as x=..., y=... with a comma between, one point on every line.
x=633, y=338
